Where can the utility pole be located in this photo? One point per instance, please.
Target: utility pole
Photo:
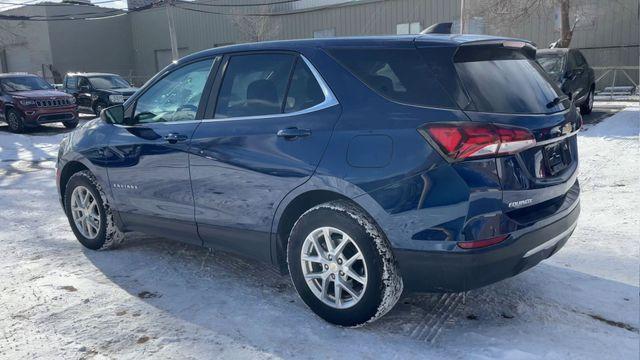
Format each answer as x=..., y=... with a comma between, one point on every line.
x=461, y=16
x=172, y=30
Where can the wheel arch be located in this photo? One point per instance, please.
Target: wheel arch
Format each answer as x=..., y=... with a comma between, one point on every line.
x=68, y=170
x=286, y=218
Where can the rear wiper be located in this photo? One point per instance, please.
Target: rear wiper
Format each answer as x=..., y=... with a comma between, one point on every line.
x=556, y=101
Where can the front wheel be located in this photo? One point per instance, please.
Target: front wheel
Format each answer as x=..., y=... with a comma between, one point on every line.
x=342, y=266
x=15, y=121
x=587, y=106
x=89, y=214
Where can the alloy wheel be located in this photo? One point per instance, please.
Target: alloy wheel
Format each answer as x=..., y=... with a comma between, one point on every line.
x=334, y=267
x=85, y=212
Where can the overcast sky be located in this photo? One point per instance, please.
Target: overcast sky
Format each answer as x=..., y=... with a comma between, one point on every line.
x=119, y=4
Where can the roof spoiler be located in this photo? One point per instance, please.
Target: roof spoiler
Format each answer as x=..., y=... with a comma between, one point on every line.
x=438, y=28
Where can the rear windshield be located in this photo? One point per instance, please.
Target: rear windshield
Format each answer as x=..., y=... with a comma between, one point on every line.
x=507, y=81
x=400, y=75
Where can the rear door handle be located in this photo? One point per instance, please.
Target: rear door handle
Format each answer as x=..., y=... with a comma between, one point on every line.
x=173, y=138
x=293, y=132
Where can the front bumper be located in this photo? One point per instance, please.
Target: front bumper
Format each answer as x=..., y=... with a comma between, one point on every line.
x=38, y=116
x=456, y=271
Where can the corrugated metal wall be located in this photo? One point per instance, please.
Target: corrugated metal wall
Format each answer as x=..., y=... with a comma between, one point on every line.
x=608, y=34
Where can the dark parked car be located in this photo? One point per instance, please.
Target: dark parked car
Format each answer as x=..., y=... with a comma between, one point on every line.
x=29, y=101
x=359, y=165
x=570, y=70
x=96, y=91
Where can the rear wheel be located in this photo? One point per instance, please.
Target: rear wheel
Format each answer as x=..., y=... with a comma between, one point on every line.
x=342, y=266
x=15, y=121
x=587, y=106
x=89, y=213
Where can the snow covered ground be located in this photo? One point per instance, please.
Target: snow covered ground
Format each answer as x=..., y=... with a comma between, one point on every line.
x=155, y=298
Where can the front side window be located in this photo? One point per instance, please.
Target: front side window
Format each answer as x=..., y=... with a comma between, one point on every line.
x=254, y=85
x=83, y=83
x=106, y=82
x=24, y=83
x=175, y=97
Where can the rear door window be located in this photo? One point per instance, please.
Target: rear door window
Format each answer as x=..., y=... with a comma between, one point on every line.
x=254, y=85
x=506, y=81
x=304, y=91
x=400, y=75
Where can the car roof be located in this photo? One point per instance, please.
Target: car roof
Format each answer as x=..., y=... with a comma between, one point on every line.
x=16, y=74
x=554, y=51
x=90, y=74
x=294, y=45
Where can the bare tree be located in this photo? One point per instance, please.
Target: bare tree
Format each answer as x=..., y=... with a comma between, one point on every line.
x=505, y=15
x=257, y=28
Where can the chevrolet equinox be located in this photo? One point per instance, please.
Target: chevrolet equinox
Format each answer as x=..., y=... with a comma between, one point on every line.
x=361, y=166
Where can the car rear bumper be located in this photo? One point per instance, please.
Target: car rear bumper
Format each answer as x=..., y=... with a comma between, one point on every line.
x=462, y=270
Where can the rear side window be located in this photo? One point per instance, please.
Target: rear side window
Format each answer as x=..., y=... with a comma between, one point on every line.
x=398, y=74
x=304, y=91
x=506, y=81
x=254, y=85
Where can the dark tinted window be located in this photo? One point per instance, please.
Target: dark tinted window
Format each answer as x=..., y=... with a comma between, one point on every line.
x=108, y=82
x=304, y=91
x=580, y=60
x=508, y=83
x=397, y=74
x=83, y=82
x=254, y=85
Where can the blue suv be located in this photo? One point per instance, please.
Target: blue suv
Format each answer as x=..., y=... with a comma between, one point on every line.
x=360, y=166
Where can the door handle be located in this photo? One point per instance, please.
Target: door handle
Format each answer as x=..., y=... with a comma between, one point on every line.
x=173, y=138
x=293, y=132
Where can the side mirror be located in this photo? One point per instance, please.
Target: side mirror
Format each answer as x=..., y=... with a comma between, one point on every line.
x=84, y=88
x=113, y=114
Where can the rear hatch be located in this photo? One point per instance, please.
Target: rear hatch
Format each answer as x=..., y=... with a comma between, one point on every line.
x=498, y=83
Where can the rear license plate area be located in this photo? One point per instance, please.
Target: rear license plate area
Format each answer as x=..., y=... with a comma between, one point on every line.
x=557, y=157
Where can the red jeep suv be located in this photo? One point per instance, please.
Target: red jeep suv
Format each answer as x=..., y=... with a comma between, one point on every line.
x=28, y=101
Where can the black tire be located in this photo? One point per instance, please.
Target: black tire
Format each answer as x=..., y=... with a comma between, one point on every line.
x=108, y=236
x=587, y=106
x=71, y=124
x=97, y=108
x=384, y=284
x=15, y=121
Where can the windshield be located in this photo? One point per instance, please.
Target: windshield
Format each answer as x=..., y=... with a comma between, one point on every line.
x=24, y=83
x=552, y=64
x=108, y=82
x=507, y=81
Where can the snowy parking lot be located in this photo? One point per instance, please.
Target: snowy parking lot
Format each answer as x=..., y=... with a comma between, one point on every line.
x=158, y=299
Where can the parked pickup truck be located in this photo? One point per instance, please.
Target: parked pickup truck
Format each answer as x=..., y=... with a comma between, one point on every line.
x=96, y=91
x=28, y=101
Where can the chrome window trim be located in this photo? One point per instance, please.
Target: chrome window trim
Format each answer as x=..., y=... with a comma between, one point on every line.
x=329, y=100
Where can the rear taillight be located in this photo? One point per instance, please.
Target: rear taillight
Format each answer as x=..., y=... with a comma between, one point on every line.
x=460, y=141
